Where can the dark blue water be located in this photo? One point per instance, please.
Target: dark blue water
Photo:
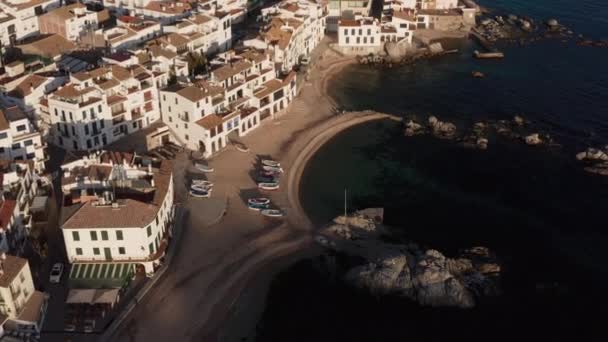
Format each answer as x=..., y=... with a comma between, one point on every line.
x=542, y=214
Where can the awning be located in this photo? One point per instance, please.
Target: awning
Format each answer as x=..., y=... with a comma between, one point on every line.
x=100, y=275
x=92, y=296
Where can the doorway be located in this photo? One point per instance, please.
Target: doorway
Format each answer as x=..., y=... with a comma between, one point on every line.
x=107, y=253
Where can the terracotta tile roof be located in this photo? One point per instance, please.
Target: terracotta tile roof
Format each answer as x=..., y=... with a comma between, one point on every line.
x=32, y=309
x=168, y=7
x=129, y=214
x=175, y=39
x=116, y=157
x=192, y=93
x=208, y=88
x=92, y=172
x=11, y=266
x=103, y=15
x=120, y=73
x=50, y=46
x=228, y=70
x=348, y=22
x=210, y=121
x=200, y=19
x=405, y=15
x=7, y=207
x=158, y=51
x=268, y=88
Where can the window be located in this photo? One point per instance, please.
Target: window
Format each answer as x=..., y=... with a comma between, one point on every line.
x=169, y=109
x=135, y=125
x=75, y=236
x=93, y=236
x=78, y=251
x=186, y=137
x=347, y=40
x=176, y=100
x=3, y=135
x=164, y=97
x=28, y=143
x=99, y=109
x=358, y=40
x=56, y=114
x=121, y=250
x=119, y=235
x=86, y=129
x=364, y=40
x=369, y=32
x=104, y=235
x=21, y=128
x=95, y=250
x=346, y=32
x=352, y=32
x=84, y=115
x=360, y=32
x=71, y=117
x=89, y=143
x=149, y=230
x=371, y=40
x=151, y=247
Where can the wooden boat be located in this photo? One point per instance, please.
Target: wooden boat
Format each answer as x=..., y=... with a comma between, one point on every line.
x=272, y=168
x=258, y=206
x=199, y=193
x=241, y=147
x=269, y=186
x=201, y=182
x=200, y=188
x=203, y=168
x=272, y=213
x=271, y=163
x=258, y=200
x=488, y=55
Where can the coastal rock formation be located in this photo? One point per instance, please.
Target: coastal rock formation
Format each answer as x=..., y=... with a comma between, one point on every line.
x=533, y=139
x=519, y=121
x=592, y=154
x=596, y=159
x=424, y=275
x=412, y=128
x=440, y=128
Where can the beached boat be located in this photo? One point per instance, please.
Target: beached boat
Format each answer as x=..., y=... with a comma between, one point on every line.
x=272, y=163
x=200, y=188
x=203, y=168
x=272, y=168
x=272, y=213
x=265, y=173
x=266, y=179
x=241, y=147
x=258, y=206
x=201, y=182
x=200, y=193
x=258, y=200
x=269, y=186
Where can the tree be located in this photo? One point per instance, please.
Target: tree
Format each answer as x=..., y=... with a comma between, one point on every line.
x=197, y=63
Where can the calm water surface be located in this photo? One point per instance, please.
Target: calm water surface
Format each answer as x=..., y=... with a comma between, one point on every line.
x=536, y=207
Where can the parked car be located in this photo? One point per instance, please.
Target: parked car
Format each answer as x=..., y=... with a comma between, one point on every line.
x=56, y=273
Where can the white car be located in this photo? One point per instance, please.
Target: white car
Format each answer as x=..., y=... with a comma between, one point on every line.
x=56, y=273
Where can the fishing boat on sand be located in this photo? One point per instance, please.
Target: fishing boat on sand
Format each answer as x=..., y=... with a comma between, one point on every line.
x=203, y=168
x=200, y=193
x=258, y=200
x=258, y=207
x=204, y=183
x=271, y=163
x=269, y=186
x=272, y=168
x=241, y=147
x=272, y=213
x=200, y=188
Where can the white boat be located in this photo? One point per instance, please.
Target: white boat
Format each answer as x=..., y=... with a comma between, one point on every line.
x=200, y=188
x=272, y=213
x=258, y=200
x=272, y=168
x=271, y=163
x=241, y=148
x=258, y=207
x=201, y=194
x=201, y=182
x=268, y=186
x=204, y=168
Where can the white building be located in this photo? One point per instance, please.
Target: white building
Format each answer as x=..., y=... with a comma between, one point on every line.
x=360, y=36
x=18, y=189
x=26, y=12
x=122, y=230
x=68, y=21
x=207, y=34
x=24, y=308
x=19, y=140
x=131, y=32
x=291, y=31
x=103, y=105
x=8, y=29
x=239, y=95
x=347, y=9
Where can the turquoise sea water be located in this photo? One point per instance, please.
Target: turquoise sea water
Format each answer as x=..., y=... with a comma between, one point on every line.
x=542, y=214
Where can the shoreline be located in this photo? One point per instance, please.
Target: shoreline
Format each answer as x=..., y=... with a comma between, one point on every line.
x=239, y=256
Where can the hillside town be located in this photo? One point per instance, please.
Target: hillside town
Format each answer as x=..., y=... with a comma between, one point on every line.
x=98, y=98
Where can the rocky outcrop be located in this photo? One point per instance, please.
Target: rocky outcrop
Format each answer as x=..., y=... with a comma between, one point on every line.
x=413, y=128
x=592, y=154
x=424, y=275
x=533, y=139
x=596, y=160
x=440, y=128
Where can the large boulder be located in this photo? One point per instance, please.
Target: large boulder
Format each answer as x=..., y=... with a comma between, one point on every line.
x=395, y=51
x=533, y=139
x=412, y=128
